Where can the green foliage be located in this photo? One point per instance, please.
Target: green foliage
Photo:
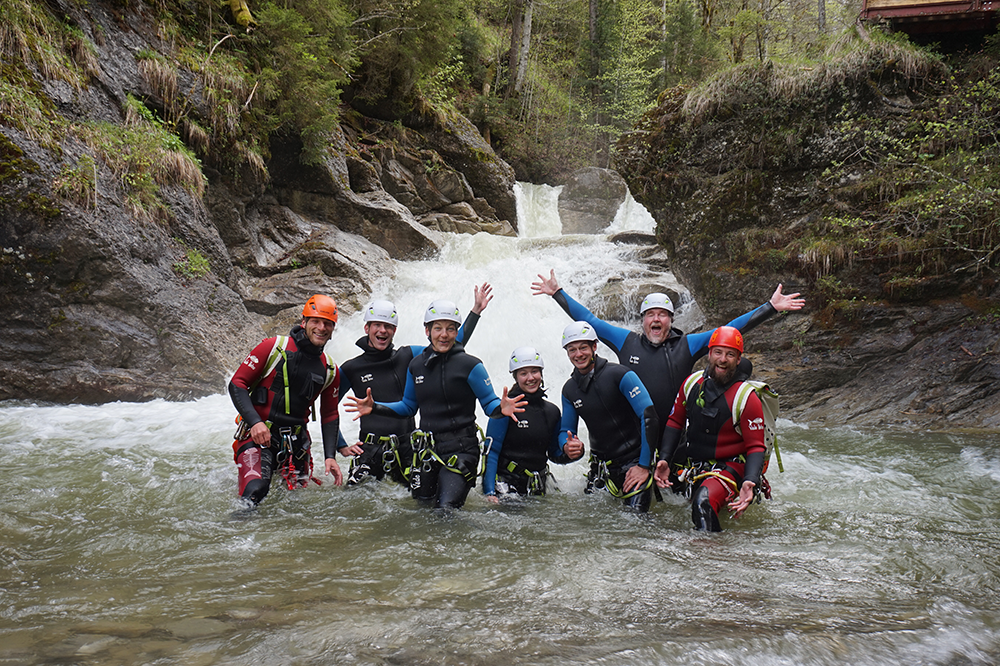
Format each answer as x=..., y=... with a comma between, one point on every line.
x=303, y=50
x=194, y=265
x=144, y=156
x=78, y=183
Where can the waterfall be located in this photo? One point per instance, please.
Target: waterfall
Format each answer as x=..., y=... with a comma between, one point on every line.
x=583, y=264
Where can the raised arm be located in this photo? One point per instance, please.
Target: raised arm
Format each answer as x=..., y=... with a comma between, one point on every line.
x=612, y=336
x=779, y=302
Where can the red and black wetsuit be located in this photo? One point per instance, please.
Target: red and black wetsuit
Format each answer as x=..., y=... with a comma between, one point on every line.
x=713, y=443
x=262, y=399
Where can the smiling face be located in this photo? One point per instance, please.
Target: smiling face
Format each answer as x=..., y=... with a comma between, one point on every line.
x=722, y=362
x=442, y=335
x=581, y=354
x=318, y=331
x=529, y=379
x=379, y=334
x=656, y=323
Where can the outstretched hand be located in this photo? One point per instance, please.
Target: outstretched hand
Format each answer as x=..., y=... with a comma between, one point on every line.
x=545, y=285
x=331, y=467
x=362, y=407
x=784, y=302
x=511, y=406
x=483, y=296
x=661, y=474
x=739, y=505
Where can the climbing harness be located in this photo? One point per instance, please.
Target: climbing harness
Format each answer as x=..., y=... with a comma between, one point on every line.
x=425, y=454
x=295, y=477
x=388, y=456
x=536, y=479
x=599, y=477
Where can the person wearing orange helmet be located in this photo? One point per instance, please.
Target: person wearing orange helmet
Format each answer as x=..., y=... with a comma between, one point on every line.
x=274, y=390
x=725, y=458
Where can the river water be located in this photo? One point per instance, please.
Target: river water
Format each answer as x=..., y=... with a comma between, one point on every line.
x=119, y=543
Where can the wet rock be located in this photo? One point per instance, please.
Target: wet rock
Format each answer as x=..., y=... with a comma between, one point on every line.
x=196, y=627
x=589, y=201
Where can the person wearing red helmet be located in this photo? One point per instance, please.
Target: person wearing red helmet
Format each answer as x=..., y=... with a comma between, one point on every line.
x=725, y=459
x=274, y=390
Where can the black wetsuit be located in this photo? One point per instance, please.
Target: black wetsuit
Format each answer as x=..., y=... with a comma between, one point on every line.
x=445, y=388
x=663, y=367
x=622, y=422
x=384, y=372
x=519, y=453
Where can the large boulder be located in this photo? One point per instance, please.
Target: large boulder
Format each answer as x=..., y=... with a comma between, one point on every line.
x=589, y=201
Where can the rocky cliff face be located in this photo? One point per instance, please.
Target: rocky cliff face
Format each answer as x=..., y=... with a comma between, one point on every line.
x=758, y=180
x=119, y=292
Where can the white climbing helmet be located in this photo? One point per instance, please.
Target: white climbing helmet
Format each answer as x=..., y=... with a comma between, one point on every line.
x=578, y=330
x=442, y=309
x=525, y=357
x=656, y=300
x=383, y=311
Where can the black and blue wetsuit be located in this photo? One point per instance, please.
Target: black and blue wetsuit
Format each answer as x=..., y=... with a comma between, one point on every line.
x=445, y=388
x=384, y=372
x=664, y=367
x=622, y=422
x=519, y=453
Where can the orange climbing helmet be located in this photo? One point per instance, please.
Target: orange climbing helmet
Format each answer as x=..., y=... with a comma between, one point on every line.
x=727, y=336
x=321, y=306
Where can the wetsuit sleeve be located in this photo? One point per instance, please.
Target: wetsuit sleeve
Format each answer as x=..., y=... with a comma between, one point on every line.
x=752, y=427
x=345, y=385
x=556, y=453
x=496, y=431
x=247, y=375
x=698, y=342
x=405, y=407
x=638, y=397
x=479, y=382
x=465, y=332
x=569, y=422
x=329, y=415
x=612, y=336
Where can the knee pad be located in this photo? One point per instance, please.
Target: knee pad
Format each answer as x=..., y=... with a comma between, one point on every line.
x=702, y=513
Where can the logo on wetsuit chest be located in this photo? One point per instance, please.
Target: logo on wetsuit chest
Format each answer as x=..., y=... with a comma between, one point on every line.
x=578, y=403
x=522, y=424
x=634, y=391
x=251, y=362
x=634, y=360
x=419, y=379
x=366, y=378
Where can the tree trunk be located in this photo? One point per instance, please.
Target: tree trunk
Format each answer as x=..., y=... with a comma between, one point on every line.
x=821, y=15
x=524, y=47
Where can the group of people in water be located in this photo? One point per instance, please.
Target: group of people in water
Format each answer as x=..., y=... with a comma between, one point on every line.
x=652, y=424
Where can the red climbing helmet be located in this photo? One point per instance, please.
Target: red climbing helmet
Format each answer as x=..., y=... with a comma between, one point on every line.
x=321, y=306
x=727, y=336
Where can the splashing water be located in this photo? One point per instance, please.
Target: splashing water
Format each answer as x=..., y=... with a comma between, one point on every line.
x=119, y=544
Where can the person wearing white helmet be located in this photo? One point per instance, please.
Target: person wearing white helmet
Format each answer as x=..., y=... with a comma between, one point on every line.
x=443, y=383
x=384, y=441
x=516, y=462
x=620, y=417
x=661, y=355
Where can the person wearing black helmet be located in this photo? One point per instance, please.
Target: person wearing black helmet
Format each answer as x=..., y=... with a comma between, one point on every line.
x=620, y=417
x=383, y=446
x=662, y=356
x=726, y=453
x=274, y=390
x=444, y=383
x=516, y=461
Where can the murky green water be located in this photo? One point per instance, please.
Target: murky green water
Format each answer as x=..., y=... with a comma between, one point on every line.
x=119, y=547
